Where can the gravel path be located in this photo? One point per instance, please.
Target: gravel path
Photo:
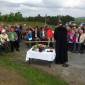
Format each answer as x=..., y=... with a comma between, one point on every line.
x=74, y=74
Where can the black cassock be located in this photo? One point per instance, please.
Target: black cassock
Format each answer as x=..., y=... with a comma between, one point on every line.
x=60, y=35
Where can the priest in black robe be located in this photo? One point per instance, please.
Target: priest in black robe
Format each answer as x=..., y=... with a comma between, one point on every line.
x=60, y=35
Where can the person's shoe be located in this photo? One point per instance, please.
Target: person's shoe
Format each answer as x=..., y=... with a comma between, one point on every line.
x=73, y=51
x=76, y=52
x=17, y=49
x=65, y=65
x=12, y=50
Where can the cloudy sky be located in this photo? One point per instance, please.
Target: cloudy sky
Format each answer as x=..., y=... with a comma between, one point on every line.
x=75, y=8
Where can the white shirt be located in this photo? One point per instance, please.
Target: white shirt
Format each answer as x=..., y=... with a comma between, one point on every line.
x=35, y=34
x=43, y=33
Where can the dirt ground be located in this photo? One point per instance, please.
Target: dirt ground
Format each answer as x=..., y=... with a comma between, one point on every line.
x=74, y=74
x=8, y=77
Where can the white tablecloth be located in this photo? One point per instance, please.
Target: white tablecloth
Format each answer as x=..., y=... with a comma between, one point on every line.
x=48, y=56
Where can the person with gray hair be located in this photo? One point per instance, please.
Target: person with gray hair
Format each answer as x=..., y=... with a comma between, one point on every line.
x=79, y=42
x=24, y=30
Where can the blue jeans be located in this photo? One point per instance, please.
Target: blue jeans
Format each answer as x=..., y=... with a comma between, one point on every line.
x=77, y=46
x=74, y=47
x=36, y=39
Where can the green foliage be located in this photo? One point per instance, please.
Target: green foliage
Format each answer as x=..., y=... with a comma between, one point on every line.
x=18, y=15
x=79, y=21
x=40, y=24
x=39, y=46
x=35, y=76
x=51, y=20
x=12, y=17
x=66, y=18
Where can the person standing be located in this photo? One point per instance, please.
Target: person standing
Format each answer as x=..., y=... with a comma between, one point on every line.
x=60, y=35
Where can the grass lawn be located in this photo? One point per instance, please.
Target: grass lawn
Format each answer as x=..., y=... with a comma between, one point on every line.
x=35, y=76
x=40, y=24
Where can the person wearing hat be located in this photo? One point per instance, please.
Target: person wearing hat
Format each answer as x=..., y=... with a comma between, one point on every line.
x=5, y=41
x=60, y=35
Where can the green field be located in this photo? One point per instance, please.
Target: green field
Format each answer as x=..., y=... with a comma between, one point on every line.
x=35, y=76
x=79, y=21
x=40, y=24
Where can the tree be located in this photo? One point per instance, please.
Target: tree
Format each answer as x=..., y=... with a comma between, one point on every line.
x=11, y=14
x=0, y=16
x=52, y=20
x=0, y=13
x=18, y=14
x=39, y=15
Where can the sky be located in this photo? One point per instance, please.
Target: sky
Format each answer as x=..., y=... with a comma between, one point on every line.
x=74, y=8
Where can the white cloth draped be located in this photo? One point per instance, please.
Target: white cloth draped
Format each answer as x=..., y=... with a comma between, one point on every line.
x=48, y=56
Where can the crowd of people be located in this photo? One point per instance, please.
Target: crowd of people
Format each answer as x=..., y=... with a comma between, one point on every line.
x=67, y=38
x=11, y=36
x=39, y=34
x=76, y=39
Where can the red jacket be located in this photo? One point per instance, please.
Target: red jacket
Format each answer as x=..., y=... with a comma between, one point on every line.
x=50, y=33
x=1, y=29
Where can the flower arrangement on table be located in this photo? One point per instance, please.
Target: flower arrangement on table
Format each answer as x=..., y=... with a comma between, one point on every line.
x=41, y=47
